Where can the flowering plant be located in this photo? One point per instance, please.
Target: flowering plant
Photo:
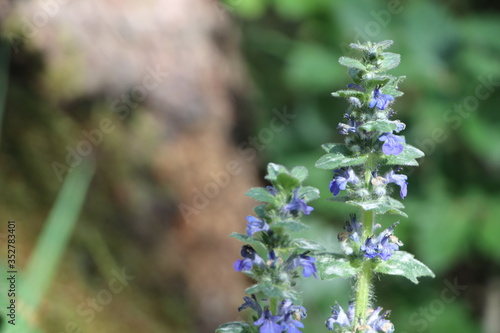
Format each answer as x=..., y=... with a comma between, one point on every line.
x=367, y=167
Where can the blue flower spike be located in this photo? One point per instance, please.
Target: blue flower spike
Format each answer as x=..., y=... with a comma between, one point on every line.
x=371, y=157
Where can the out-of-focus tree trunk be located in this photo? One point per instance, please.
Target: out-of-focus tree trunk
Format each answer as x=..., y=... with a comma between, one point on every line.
x=172, y=73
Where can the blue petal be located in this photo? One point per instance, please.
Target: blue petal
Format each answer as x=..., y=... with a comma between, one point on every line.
x=334, y=187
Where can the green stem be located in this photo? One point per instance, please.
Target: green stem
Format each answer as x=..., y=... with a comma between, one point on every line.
x=273, y=305
x=370, y=166
x=363, y=284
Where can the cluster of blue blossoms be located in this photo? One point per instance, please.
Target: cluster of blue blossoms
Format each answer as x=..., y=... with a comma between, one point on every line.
x=376, y=322
x=287, y=319
x=392, y=145
x=251, y=259
x=293, y=208
x=382, y=245
x=288, y=315
x=343, y=176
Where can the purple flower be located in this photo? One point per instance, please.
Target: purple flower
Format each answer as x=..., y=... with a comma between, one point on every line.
x=379, y=323
x=383, y=245
x=250, y=258
x=340, y=318
x=296, y=205
x=400, y=180
x=304, y=261
x=375, y=322
x=272, y=190
x=392, y=143
x=340, y=179
x=292, y=314
x=354, y=228
x=370, y=248
x=400, y=126
x=255, y=225
x=273, y=260
x=381, y=101
x=252, y=304
x=387, y=247
x=351, y=126
x=268, y=322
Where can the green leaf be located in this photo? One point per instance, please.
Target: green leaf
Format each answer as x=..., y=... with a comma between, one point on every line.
x=307, y=244
x=290, y=225
x=379, y=125
x=391, y=87
x=247, y=239
x=376, y=79
x=358, y=46
x=334, y=147
x=271, y=290
x=404, y=264
x=383, y=44
x=308, y=193
x=348, y=93
x=287, y=181
x=382, y=205
x=300, y=173
x=407, y=157
x=351, y=63
x=51, y=245
x=389, y=61
x=260, y=210
x=331, y=266
x=273, y=170
x=261, y=194
x=337, y=158
x=355, y=74
x=235, y=327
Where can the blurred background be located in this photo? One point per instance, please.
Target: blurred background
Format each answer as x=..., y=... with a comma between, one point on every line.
x=130, y=132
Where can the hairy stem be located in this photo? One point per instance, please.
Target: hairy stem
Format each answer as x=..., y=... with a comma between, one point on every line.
x=363, y=284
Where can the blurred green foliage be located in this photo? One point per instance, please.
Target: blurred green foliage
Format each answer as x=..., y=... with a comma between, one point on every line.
x=449, y=52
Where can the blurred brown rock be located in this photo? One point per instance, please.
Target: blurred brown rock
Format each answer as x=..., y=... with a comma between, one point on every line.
x=175, y=68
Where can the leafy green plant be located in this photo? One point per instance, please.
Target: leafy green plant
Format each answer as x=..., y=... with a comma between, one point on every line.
x=367, y=167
